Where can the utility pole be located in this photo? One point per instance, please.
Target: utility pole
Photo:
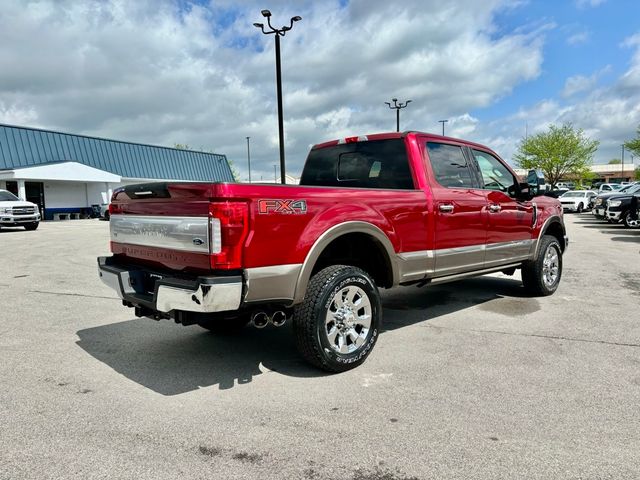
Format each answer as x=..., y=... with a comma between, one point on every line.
x=443, y=122
x=397, y=106
x=249, y=158
x=275, y=174
x=279, y=32
x=622, y=176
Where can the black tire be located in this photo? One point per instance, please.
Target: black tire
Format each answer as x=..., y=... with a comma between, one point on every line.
x=31, y=226
x=107, y=215
x=629, y=221
x=310, y=326
x=226, y=326
x=536, y=275
x=580, y=208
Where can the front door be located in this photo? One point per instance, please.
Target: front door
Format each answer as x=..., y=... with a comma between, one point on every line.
x=34, y=191
x=460, y=211
x=510, y=232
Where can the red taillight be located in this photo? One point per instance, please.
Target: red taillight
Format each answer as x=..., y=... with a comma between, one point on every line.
x=114, y=208
x=228, y=230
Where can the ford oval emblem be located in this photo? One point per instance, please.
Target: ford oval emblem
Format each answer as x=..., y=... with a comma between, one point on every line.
x=198, y=241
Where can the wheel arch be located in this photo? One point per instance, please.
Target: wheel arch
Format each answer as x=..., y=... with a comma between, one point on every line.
x=553, y=226
x=371, y=236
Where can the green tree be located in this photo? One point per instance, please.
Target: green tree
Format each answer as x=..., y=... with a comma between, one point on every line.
x=615, y=161
x=559, y=152
x=637, y=174
x=634, y=145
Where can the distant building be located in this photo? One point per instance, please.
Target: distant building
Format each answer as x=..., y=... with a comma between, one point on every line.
x=65, y=173
x=607, y=173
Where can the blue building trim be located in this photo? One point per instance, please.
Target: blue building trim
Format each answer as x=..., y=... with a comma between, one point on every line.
x=26, y=146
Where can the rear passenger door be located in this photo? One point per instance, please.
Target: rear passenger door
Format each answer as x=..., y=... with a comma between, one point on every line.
x=510, y=221
x=460, y=216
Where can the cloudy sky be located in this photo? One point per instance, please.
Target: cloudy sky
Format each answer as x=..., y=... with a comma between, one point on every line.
x=176, y=71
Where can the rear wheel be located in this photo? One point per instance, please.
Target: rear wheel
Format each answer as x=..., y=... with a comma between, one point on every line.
x=542, y=276
x=31, y=226
x=338, y=323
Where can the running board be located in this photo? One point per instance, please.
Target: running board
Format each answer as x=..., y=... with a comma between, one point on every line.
x=476, y=273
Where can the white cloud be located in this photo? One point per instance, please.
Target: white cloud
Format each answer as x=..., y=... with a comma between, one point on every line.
x=589, y=3
x=578, y=38
x=155, y=72
x=610, y=114
x=580, y=84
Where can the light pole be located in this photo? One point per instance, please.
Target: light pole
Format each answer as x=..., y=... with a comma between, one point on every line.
x=397, y=106
x=275, y=174
x=249, y=158
x=278, y=33
x=622, y=175
x=443, y=122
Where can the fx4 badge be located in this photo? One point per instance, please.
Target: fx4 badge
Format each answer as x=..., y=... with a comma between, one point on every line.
x=286, y=207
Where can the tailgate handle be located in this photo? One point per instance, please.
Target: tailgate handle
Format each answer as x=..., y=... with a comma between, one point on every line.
x=446, y=208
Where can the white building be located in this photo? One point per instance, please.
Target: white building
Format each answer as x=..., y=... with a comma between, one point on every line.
x=65, y=173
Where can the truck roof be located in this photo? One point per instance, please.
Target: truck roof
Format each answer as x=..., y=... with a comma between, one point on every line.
x=390, y=135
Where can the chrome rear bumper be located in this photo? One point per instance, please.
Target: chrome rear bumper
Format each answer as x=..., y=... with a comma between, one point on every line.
x=202, y=294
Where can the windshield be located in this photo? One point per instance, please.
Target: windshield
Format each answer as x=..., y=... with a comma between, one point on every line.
x=7, y=196
x=573, y=195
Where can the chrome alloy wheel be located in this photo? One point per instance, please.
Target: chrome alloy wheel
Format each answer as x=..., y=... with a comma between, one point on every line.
x=550, y=266
x=630, y=222
x=348, y=319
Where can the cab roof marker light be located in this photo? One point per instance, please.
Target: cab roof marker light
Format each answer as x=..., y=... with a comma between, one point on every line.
x=361, y=138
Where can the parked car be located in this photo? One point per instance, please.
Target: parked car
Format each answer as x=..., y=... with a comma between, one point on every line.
x=104, y=211
x=609, y=187
x=624, y=208
x=600, y=203
x=577, y=200
x=556, y=193
x=18, y=213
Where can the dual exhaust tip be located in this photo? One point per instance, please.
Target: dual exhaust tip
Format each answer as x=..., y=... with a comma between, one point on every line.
x=262, y=319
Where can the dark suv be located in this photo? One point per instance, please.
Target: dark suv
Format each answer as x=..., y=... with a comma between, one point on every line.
x=624, y=208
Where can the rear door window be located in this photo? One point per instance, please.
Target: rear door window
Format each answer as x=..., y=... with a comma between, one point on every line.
x=449, y=165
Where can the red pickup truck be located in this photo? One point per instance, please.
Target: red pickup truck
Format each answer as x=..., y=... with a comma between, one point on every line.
x=370, y=212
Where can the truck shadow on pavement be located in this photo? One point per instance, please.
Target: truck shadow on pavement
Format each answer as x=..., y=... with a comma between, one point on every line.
x=171, y=359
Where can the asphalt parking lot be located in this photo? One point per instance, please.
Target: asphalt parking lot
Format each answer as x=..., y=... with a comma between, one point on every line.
x=469, y=380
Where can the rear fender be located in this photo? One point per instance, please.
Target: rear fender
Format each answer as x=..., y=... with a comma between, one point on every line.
x=332, y=234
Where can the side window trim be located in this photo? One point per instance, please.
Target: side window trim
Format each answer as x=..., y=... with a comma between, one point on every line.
x=462, y=148
x=476, y=175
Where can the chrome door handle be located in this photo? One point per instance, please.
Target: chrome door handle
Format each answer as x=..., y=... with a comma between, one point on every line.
x=494, y=208
x=446, y=208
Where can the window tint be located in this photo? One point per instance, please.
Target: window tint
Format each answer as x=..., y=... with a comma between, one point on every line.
x=373, y=164
x=449, y=165
x=495, y=176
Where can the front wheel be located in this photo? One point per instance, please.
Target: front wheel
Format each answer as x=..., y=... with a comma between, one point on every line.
x=631, y=222
x=338, y=323
x=580, y=208
x=541, y=276
x=31, y=226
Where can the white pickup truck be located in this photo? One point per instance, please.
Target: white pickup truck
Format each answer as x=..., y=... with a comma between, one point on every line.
x=17, y=213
